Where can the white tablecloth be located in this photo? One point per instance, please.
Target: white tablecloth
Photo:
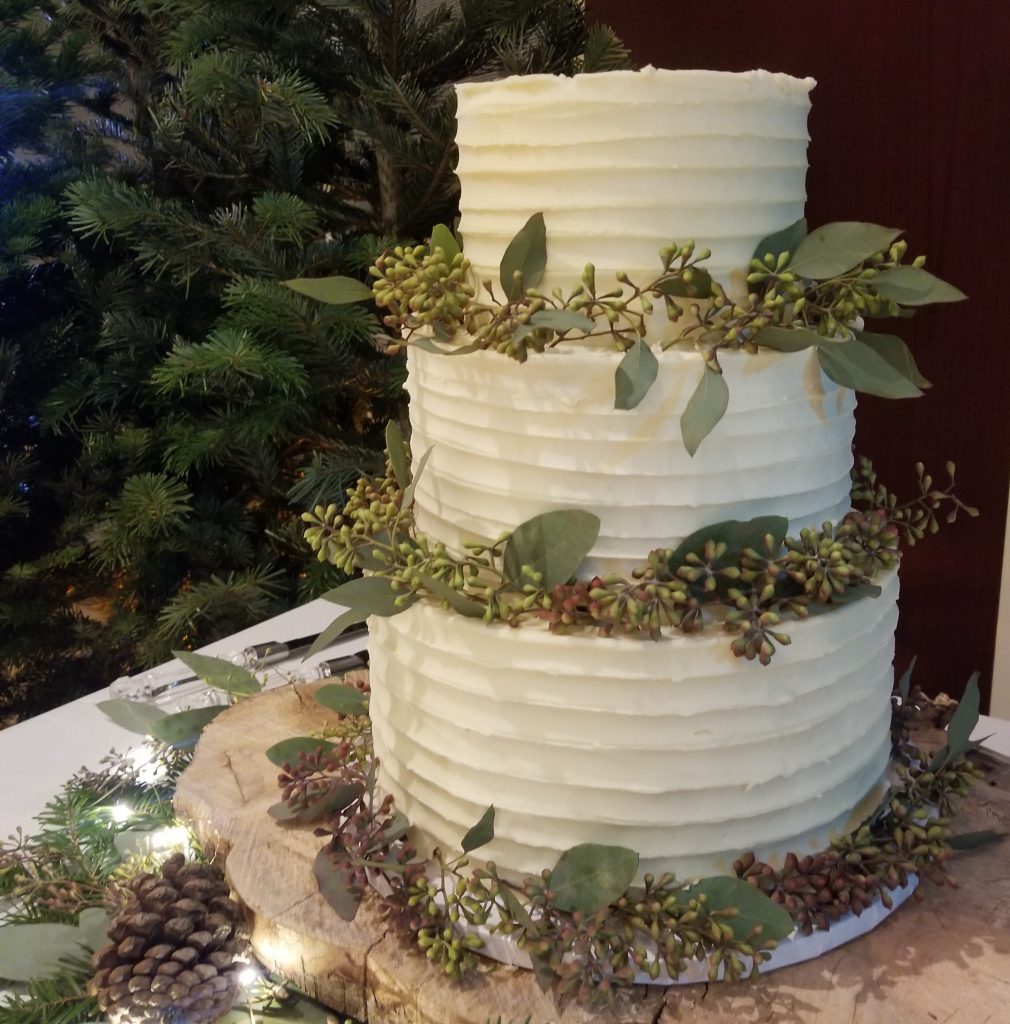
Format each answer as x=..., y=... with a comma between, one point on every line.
x=37, y=756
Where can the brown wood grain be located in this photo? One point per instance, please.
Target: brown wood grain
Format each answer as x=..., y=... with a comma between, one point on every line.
x=909, y=128
x=944, y=959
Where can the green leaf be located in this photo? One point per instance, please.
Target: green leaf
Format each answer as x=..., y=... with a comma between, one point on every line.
x=220, y=674
x=975, y=840
x=787, y=339
x=134, y=715
x=396, y=448
x=786, y=240
x=335, y=885
x=482, y=833
x=964, y=720
x=344, y=699
x=183, y=729
x=335, y=291
x=635, y=374
x=699, y=287
x=736, y=534
x=336, y=798
x=93, y=926
x=526, y=253
x=704, y=410
x=287, y=751
x=408, y=492
x=30, y=951
x=397, y=828
x=905, y=682
x=562, y=320
x=519, y=914
x=913, y=286
x=422, y=341
x=854, y=364
x=895, y=352
x=443, y=238
x=367, y=595
x=460, y=602
x=754, y=908
x=553, y=543
x=835, y=248
x=589, y=877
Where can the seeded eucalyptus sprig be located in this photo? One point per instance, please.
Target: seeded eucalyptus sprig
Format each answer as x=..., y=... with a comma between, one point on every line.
x=746, y=577
x=587, y=926
x=807, y=290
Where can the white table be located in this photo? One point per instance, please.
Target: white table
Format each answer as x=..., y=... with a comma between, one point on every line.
x=37, y=756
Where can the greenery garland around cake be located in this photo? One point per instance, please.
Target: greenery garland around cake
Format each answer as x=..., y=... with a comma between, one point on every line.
x=745, y=576
x=586, y=924
x=808, y=290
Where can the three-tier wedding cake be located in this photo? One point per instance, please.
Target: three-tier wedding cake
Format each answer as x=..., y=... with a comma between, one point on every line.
x=671, y=747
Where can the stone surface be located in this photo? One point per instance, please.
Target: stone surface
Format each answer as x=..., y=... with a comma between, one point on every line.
x=944, y=960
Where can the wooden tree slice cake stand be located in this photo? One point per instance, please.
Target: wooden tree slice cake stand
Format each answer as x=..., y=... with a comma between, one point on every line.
x=945, y=959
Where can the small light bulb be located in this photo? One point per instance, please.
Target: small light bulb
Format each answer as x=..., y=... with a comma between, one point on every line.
x=247, y=976
x=121, y=813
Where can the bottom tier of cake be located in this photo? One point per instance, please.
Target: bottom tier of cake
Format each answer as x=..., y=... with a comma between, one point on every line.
x=673, y=748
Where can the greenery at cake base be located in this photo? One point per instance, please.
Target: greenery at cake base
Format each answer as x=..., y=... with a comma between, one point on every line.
x=587, y=925
x=749, y=573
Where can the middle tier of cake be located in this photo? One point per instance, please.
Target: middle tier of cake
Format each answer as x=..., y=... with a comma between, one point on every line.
x=509, y=441
x=673, y=748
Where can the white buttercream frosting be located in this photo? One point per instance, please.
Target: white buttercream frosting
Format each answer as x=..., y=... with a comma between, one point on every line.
x=672, y=747
x=624, y=163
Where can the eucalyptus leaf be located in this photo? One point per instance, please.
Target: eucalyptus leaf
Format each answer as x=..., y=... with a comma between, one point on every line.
x=344, y=699
x=527, y=254
x=787, y=339
x=975, y=840
x=367, y=595
x=699, y=287
x=786, y=240
x=635, y=374
x=736, y=534
x=836, y=248
x=854, y=364
x=335, y=799
x=336, y=885
x=135, y=715
x=93, y=927
x=30, y=951
x=913, y=286
x=905, y=682
x=287, y=751
x=553, y=543
x=754, y=908
x=482, y=833
x=895, y=352
x=408, y=492
x=443, y=238
x=590, y=876
x=963, y=721
x=562, y=320
x=706, y=407
x=460, y=602
x=335, y=291
x=183, y=728
x=396, y=448
x=397, y=828
x=519, y=914
x=220, y=674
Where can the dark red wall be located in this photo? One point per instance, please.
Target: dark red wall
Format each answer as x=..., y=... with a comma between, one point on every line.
x=911, y=128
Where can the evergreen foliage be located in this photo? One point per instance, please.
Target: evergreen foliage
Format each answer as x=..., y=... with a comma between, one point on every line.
x=199, y=404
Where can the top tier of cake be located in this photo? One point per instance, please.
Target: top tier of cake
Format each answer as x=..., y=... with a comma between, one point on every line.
x=624, y=163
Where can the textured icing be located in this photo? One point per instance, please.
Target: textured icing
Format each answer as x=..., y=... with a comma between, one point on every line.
x=624, y=163
x=511, y=440
x=674, y=747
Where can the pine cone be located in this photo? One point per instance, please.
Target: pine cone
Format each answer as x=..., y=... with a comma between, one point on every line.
x=174, y=950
